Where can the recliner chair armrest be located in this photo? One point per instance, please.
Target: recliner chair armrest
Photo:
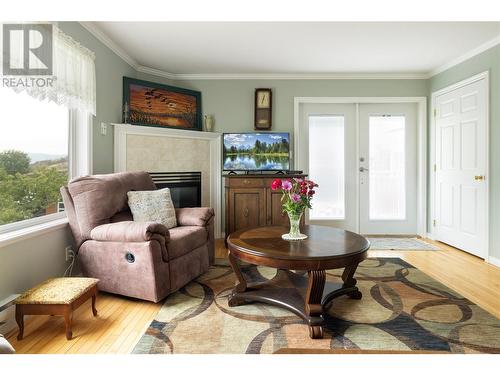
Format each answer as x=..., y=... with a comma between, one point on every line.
x=194, y=216
x=129, y=231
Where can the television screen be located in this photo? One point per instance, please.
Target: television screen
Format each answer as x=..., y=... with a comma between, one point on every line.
x=256, y=151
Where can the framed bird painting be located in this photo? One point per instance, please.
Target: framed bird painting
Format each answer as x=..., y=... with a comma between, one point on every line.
x=153, y=104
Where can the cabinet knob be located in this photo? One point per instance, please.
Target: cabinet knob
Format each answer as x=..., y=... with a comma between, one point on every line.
x=245, y=212
x=246, y=182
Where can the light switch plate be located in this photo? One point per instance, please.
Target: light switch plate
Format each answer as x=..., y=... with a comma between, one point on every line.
x=104, y=128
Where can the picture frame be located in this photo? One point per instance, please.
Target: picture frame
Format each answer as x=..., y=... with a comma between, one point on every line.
x=154, y=104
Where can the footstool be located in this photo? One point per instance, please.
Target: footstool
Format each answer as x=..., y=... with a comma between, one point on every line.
x=58, y=296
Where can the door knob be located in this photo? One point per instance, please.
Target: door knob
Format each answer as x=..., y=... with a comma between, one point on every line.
x=480, y=178
x=363, y=169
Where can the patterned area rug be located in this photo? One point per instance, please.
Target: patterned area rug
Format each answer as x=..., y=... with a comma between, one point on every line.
x=401, y=309
x=400, y=243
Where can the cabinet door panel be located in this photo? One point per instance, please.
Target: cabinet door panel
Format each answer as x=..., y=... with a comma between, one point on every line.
x=249, y=208
x=276, y=216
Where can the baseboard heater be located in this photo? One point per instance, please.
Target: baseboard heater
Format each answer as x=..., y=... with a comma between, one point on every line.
x=8, y=302
x=7, y=322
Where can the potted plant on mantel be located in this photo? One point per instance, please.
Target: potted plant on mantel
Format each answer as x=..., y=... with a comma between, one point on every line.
x=296, y=196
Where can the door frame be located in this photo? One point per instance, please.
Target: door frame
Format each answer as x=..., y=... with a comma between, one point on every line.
x=420, y=101
x=432, y=152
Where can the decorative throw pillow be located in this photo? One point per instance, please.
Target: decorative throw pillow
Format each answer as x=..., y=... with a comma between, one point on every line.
x=153, y=205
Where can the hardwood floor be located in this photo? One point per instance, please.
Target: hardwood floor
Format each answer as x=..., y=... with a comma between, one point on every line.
x=122, y=321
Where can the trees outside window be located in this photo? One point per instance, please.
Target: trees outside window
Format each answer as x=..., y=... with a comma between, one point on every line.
x=33, y=156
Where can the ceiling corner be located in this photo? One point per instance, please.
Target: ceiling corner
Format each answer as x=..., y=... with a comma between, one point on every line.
x=108, y=42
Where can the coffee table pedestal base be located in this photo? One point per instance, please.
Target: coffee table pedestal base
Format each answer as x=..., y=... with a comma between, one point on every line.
x=306, y=295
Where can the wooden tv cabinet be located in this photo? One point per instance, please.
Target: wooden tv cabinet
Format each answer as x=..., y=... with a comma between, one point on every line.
x=250, y=202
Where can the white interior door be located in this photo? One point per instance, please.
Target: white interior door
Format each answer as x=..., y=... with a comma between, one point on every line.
x=327, y=152
x=461, y=168
x=388, y=168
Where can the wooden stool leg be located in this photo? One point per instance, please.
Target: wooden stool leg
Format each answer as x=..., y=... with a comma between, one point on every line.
x=94, y=311
x=20, y=321
x=68, y=318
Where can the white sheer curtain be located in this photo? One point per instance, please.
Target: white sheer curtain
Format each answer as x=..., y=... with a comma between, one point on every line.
x=74, y=70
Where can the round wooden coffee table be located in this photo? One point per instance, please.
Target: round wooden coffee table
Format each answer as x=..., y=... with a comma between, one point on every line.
x=325, y=248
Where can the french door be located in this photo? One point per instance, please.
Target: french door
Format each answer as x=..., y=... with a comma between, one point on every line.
x=363, y=156
x=461, y=167
x=328, y=154
x=388, y=168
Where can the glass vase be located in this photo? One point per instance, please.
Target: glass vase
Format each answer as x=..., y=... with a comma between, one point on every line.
x=294, y=233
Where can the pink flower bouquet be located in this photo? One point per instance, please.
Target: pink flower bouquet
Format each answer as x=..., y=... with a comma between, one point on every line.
x=297, y=196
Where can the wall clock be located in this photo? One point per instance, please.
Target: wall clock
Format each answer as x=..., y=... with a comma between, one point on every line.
x=263, y=109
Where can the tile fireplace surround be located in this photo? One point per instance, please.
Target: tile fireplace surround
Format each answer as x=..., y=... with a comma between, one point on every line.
x=170, y=150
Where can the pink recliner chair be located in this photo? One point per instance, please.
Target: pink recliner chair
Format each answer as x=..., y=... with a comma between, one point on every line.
x=135, y=259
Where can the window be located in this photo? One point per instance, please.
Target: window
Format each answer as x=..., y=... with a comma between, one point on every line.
x=34, y=150
x=326, y=166
x=387, y=168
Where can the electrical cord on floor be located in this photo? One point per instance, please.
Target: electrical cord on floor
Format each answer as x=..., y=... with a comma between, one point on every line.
x=69, y=270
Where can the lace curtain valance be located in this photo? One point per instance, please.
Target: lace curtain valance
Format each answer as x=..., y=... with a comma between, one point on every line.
x=74, y=85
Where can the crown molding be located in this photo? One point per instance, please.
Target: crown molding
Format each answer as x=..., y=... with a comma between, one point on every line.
x=466, y=56
x=156, y=72
x=94, y=30
x=284, y=76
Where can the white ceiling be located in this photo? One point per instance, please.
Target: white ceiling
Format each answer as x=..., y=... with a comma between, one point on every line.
x=296, y=47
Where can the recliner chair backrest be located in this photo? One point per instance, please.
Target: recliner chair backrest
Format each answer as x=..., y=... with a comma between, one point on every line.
x=94, y=200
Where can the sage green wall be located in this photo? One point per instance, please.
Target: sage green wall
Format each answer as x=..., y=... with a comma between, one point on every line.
x=231, y=101
x=486, y=61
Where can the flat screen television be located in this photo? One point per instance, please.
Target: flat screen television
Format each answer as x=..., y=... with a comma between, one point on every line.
x=256, y=151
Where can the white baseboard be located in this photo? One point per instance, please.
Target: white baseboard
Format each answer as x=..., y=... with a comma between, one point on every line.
x=430, y=236
x=494, y=261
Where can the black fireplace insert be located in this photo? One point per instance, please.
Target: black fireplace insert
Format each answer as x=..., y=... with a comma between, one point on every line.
x=185, y=187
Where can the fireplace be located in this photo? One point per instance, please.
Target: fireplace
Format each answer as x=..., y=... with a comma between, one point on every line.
x=147, y=148
x=185, y=187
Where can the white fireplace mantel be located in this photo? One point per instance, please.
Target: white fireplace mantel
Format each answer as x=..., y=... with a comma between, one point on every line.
x=121, y=131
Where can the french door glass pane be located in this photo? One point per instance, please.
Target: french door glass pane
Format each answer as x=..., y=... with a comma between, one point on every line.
x=387, y=168
x=326, y=166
